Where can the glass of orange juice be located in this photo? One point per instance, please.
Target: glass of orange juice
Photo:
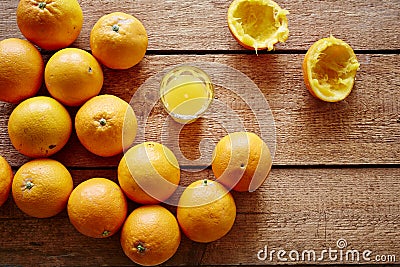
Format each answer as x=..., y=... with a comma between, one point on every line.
x=186, y=92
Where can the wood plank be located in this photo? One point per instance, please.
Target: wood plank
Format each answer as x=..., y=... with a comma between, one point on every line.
x=310, y=232
x=55, y=242
x=300, y=207
x=355, y=187
x=363, y=24
x=312, y=209
x=296, y=209
x=363, y=129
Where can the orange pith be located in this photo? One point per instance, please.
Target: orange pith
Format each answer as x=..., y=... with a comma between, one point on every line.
x=329, y=69
x=258, y=24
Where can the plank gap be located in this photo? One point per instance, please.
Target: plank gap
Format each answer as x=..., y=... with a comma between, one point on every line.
x=153, y=52
x=261, y=52
x=274, y=166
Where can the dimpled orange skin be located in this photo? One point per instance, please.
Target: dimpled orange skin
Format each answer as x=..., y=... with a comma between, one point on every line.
x=149, y=173
x=21, y=70
x=241, y=161
x=41, y=187
x=73, y=76
x=150, y=235
x=97, y=208
x=50, y=24
x=118, y=40
x=206, y=211
x=6, y=178
x=39, y=127
x=105, y=125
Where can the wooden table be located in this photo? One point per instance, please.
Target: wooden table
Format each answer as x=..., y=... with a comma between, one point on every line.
x=336, y=171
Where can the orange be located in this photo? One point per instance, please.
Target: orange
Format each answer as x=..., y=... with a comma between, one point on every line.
x=39, y=127
x=149, y=173
x=329, y=69
x=73, y=76
x=258, y=24
x=50, y=24
x=97, y=208
x=41, y=187
x=6, y=177
x=150, y=235
x=118, y=40
x=105, y=125
x=206, y=211
x=21, y=70
x=241, y=161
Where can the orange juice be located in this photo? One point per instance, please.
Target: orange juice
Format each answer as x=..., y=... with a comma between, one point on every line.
x=186, y=93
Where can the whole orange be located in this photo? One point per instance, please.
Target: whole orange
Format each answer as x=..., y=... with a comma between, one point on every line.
x=73, y=76
x=39, y=127
x=118, y=40
x=241, y=161
x=105, y=125
x=150, y=235
x=41, y=187
x=329, y=69
x=97, y=208
x=6, y=177
x=50, y=24
x=149, y=173
x=21, y=70
x=206, y=211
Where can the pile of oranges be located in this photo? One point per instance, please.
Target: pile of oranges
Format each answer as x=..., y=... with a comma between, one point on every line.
x=106, y=125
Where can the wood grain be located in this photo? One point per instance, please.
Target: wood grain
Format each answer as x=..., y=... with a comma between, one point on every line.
x=299, y=209
x=370, y=25
x=336, y=165
x=363, y=129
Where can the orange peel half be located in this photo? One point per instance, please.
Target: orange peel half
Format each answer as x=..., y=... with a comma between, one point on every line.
x=258, y=24
x=329, y=69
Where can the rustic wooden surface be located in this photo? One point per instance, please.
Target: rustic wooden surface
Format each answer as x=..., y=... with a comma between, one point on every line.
x=201, y=25
x=336, y=168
